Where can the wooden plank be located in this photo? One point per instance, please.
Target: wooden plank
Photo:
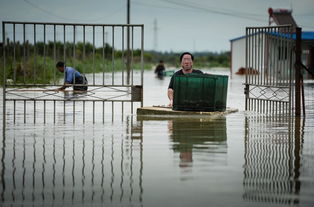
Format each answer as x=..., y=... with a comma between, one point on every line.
x=161, y=110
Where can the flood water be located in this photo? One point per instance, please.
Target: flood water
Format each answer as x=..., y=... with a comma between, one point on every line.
x=240, y=159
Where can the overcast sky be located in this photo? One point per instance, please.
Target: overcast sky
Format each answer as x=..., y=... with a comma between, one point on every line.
x=182, y=25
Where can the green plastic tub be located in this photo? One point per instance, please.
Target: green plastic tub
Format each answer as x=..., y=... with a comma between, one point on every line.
x=200, y=92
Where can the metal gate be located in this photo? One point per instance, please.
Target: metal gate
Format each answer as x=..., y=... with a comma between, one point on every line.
x=270, y=74
x=110, y=56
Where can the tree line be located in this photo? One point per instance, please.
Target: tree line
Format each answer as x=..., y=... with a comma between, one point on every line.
x=201, y=59
x=27, y=62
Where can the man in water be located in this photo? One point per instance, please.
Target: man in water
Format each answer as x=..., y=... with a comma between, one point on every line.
x=186, y=60
x=160, y=68
x=72, y=76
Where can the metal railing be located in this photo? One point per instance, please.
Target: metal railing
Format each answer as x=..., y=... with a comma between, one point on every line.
x=270, y=70
x=108, y=56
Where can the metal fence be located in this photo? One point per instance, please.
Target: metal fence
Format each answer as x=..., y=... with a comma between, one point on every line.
x=110, y=55
x=270, y=76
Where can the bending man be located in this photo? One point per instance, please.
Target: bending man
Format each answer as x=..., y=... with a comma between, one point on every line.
x=72, y=76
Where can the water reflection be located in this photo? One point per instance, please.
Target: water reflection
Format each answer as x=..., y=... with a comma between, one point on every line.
x=72, y=167
x=273, y=149
x=132, y=162
x=197, y=136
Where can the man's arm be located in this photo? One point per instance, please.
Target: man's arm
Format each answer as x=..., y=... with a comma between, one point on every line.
x=170, y=96
x=65, y=85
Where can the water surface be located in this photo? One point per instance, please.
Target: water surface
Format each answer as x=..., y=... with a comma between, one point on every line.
x=241, y=159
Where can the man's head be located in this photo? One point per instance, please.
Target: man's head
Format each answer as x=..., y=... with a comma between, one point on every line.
x=186, y=59
x=186, y=53
x=60, y=66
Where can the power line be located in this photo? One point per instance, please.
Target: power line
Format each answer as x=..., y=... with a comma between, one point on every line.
x=42, y=10
x=71, y=19
x=220, y=11
x=153, y=4
x=193, y=6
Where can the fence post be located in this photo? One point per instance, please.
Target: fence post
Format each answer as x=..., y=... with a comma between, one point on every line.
x=297, y=67
x=4, y=82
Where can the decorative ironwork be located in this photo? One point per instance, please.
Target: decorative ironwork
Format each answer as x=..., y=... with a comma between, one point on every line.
x=269, y=93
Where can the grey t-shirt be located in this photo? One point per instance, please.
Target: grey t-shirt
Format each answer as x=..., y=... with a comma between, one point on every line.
x=179, y=72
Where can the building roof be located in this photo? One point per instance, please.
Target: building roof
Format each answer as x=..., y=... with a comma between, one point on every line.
x=283, y=17
x=306, y=35
x=309, y=35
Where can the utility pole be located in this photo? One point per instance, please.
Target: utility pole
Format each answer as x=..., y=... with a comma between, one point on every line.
x=155, y=35
x=128, y=55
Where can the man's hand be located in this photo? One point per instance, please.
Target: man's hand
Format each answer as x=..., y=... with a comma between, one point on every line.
x=170, y=96
x=59, y=89
x=170, y=104
x=62, y=88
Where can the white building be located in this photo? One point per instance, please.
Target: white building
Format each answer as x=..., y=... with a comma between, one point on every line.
x=271, y=47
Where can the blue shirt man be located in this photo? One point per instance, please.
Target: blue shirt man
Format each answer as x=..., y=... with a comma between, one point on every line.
x=72, y=76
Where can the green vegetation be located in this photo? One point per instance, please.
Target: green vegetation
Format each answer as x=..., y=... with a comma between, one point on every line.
x=26, y=63
x=201, y=59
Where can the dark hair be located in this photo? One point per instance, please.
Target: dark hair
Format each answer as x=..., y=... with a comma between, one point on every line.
x=186, y=53
x=60, y=64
